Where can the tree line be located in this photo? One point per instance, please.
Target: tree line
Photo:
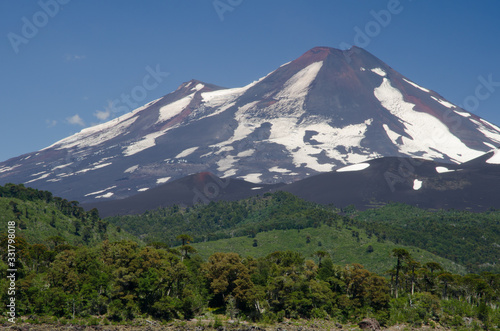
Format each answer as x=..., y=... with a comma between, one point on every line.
x=68, y=208
x=121, y=281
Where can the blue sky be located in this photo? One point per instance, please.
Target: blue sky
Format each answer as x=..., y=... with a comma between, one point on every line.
x=64, y=62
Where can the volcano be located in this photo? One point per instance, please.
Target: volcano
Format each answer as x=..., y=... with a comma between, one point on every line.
x=325, y=110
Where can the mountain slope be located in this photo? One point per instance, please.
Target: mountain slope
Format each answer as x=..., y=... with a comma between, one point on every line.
x=324, y=110
x=472, y=185
x=190, y=190
x=422, y=183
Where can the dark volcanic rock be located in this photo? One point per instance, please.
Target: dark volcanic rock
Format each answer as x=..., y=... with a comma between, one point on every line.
x=470, y=186
x=369, y=324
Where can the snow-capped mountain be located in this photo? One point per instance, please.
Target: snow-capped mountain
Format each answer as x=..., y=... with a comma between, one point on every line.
x=327, y=109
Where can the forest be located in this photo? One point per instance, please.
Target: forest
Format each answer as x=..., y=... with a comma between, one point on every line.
x=113, y=279
x=469, y=239
x=121, y=281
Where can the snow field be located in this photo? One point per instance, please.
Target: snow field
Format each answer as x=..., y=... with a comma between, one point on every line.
x=354, y=167
x=418, y=125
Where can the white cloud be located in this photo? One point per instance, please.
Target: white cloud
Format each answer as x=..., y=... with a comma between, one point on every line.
x=106, y=113
x=74, y=57
x=50, y=123
x=75, y=119
x=102, y=114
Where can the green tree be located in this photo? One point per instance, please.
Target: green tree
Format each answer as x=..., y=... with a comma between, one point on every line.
x=446, y=279
x=185, y=238
x=320, y=255
x=227, y=275
x=401, y=255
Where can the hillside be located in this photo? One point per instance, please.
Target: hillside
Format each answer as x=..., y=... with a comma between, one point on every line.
x=43, y=219
x=465, y=238
x=298, y=260
x=344, y=246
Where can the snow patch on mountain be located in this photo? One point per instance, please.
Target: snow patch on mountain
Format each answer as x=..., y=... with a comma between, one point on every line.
x=229, y=173
x=7, y=168
x=245, y=126
x=247, y=153
x=186, y=152
x=379, y=72
x=146, y=142
x=394, y=136
x=493, y=126
x=354, y=167
x=62, y=166
x=417, y=184
x=224, y=149
x=252, y=178
x=495, y=159
x=289, y=133
x=173, y=109
x=426, y=133
x=217, y=98
x=38, y=173
x=442, y=170
x=298, y=85
x=198, y=87
x=280, y=170
x=100, y=191
x=488, y=132
x=463, y=114
x=106, y=195
x=131, y=169
x=284, y=64
x=416, y=85
x=285, y=131
x=444, y=103
x=226, y=163
x=41, y=177
x=162, y=180
x=219, y=101
x=95, y=167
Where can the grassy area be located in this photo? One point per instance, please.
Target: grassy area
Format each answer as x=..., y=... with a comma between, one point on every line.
x=342, y=246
